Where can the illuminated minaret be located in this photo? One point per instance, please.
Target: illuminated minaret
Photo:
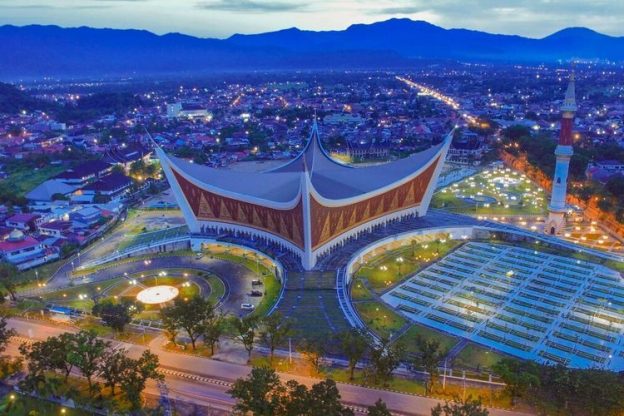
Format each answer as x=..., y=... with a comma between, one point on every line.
x=557, y=207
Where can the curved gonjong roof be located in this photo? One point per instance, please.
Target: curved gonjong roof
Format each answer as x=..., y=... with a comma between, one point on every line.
x=330, y=179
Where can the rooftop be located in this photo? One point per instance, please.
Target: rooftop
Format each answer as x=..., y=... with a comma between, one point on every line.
x=329, y=178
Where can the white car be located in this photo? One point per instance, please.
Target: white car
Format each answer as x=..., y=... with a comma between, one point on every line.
x=247, y=306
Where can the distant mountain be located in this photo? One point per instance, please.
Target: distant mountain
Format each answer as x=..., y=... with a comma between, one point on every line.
x=34, y=51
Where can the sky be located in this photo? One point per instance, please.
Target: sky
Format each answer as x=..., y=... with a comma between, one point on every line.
x=222, y=18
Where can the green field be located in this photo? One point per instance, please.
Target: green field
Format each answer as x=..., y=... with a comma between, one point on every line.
x=477, y=358
x=378, y=317
x=138, y=238
x=272, y=288
x=24, y=180
x=391, y=267
x=80, y=296
x=409, y=338
x=492, y=192
x=386, y=270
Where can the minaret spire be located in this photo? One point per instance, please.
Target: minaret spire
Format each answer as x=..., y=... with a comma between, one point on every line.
x=569, y=103
x=563, y=152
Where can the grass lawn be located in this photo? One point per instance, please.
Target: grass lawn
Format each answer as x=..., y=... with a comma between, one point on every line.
x=272, y=288
x=262, y=266
x=493, y=192
x=44, y=272
x=412, y=386
x=72, y=295
x=477, y=357
x=92, y=324
x=217, y=288
x=18, y=405
x=381, y=319
x=126, y=260
x=393, y=266
x=359, y=291
x=24, y=180
x=410, y=336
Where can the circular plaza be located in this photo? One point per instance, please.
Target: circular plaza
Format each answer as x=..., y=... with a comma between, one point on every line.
x=157, y=295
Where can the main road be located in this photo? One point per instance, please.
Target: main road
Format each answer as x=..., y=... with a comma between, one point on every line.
x=204, y=382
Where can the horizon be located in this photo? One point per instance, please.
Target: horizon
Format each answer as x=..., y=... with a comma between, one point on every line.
x=222, y=18
x=298, y=28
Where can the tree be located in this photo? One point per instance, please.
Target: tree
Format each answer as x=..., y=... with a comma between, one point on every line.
x=259, y=394
x=469, y=407
x=213, y=329
x=170, y=325
x=353, y=344
x=190, y=315
x=53, y=354
x=136, y=375
x=113, y=368
x=262, y=394
x=67, y=249
x=325, y=400
x=298, y=399
x=116, y=314
x=5, y=334
x=8, y=275
x=275, y=331
x=384, y=359
x=429, y=357
x=88, y=355
x=313, y=350
x=246, y=328
x=518, y=377
x=615, y=185
x=379, y=409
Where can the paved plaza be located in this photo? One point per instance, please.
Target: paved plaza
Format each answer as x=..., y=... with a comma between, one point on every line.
x=522, y=302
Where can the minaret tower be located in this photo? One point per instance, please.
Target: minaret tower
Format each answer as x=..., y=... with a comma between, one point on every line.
x=557, y=207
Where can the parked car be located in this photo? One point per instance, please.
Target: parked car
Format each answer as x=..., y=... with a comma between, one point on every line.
x=247, y=306
x=256, y=293
x=256, y=282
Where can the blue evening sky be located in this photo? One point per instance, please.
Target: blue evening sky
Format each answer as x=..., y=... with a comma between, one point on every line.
x=222, y=18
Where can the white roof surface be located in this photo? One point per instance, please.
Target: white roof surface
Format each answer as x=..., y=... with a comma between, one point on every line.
x=48, y=188
x=332, y=180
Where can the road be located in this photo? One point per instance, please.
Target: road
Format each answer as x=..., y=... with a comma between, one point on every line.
x=213, y=377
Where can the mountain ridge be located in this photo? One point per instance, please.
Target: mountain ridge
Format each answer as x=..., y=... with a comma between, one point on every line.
x=50, y=50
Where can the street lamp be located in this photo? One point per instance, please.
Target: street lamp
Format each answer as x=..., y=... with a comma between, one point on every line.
x=400, y=261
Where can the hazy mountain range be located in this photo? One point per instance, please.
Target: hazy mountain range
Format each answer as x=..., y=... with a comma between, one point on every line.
x=34, y=51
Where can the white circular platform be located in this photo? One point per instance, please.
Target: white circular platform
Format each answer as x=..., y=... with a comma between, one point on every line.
x=157, y=295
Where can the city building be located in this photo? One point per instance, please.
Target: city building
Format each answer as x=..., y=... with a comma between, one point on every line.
x=23, y=222
x=188, y=111
x=309, y=205
x=557, y=208
x=25, y=251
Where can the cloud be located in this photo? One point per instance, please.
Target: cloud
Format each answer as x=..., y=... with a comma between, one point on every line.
x=28, y=6
x=399, y=10
x=525, y=17
x=252, y=6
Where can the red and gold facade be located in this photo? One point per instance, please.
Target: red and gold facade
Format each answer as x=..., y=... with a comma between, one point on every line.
x=330, y=222
x=303, y=219
x=210, y=206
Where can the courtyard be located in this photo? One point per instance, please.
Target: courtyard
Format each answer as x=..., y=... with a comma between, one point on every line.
x=522, y=302
x=495, y=191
